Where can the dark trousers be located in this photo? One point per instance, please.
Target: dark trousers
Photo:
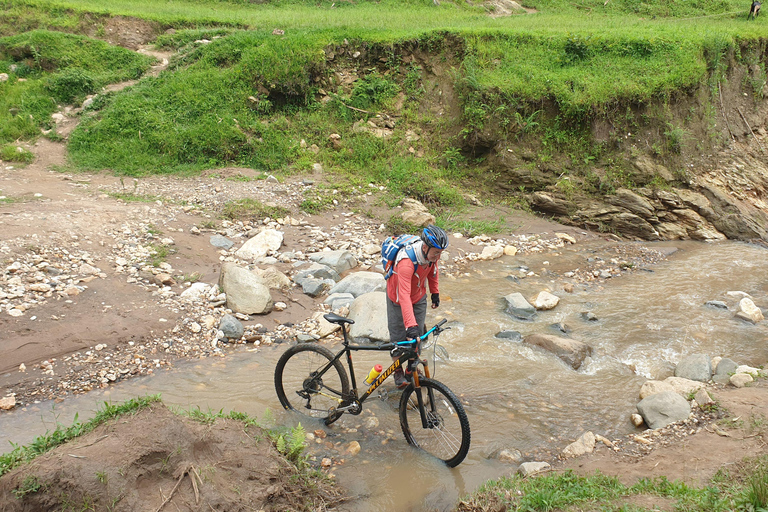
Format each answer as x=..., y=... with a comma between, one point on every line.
x=395, y=318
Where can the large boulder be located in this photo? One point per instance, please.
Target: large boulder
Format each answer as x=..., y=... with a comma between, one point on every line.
x=368, y=312
x=260, y=245
x=696, y=367
x=518, y=307
x=246, y=292
x=273, y=278
x=340, y=261
x=360, y=283
x=414, y=212
x=316, y=271
x=661, y=409
x=545, y=301
x=572, y=352
x=749, y=312
x=683, y=386
x=654, y=387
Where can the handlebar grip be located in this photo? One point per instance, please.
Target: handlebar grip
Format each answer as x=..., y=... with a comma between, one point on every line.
x=441, y=322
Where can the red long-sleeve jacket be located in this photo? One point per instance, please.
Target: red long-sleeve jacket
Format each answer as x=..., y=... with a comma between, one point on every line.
x=406, y=287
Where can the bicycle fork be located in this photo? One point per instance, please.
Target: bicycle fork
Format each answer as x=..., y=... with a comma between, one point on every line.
x=427, y=419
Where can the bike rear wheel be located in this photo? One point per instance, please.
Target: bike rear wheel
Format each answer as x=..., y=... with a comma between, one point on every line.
x=300, y=388
x=446, y=435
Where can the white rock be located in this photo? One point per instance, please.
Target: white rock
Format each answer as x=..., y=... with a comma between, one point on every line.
x=491, y=252
x=545, y=301
x=741, y=379
x=583, y=445
x=7, y=403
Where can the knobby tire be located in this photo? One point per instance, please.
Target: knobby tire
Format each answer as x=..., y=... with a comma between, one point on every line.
x=298, y=389
x=447, y=436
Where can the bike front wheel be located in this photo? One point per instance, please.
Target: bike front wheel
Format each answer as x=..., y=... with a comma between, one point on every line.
x=445, y=431
x=308, y=380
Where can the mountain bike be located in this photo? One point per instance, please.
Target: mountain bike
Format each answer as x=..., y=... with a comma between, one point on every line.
x=312, y=380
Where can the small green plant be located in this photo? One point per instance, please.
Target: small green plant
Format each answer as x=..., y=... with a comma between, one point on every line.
x=756, y=495
x=102, y=477
x=292, y=444
x=252, y=209
x=14, y=153
x=190, y=278
x=61, y=434
x=316, y=204
x=159, y=253
x=29, y=485
x=397, y=226
x=675, y=138
x=71, y=84
x=566, y=187
x=130, y=197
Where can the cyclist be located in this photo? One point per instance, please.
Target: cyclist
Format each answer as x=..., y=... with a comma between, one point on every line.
x=407, y=290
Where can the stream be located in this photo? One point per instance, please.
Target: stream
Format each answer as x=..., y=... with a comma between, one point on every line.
x=518, y=398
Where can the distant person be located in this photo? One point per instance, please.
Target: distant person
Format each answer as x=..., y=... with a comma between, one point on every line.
x=407, y=290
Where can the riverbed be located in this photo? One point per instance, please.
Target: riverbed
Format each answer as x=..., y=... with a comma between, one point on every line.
x=521, y=401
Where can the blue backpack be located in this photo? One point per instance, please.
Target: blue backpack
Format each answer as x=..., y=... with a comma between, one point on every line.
x=390, y=249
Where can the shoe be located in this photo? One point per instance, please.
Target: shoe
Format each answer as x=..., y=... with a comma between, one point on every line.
x=400, y=380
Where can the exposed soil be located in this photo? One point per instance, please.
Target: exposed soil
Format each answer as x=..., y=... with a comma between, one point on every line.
x=156, y=460
x=694, y=451
x=102, y=324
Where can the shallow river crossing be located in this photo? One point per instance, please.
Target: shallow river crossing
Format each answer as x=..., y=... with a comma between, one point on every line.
x=518, y=398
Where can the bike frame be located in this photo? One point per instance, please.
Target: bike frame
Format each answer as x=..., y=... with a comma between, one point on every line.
x=353, y=404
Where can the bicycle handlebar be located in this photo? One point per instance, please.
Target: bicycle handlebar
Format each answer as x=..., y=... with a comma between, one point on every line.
x=392, y=344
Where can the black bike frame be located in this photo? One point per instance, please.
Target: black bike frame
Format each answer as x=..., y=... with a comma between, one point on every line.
x=353, y=404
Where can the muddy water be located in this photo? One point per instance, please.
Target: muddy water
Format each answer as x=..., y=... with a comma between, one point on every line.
x=517, y=398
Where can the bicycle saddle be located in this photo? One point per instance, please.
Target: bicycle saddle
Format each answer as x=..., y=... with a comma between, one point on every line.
x=336, y=319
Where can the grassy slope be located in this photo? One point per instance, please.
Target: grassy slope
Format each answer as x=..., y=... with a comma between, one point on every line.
x=585, y=58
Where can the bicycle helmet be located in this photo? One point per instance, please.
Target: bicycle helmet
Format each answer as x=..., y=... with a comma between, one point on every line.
x=435, y=237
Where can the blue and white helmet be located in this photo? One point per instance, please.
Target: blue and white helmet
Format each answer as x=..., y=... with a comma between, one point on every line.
x=435, y=237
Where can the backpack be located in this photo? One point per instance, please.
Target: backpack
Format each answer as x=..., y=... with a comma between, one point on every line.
x=390, y=249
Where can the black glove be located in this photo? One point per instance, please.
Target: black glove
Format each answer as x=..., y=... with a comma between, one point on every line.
x=435, y=300
x=412, y=333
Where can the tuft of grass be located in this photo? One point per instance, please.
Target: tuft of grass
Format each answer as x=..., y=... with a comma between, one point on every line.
x=252, y=209
x=397, y=226
x=470, y=228
x=131, y=197
x=29, y=485
x=61, y=434
x=14, y=153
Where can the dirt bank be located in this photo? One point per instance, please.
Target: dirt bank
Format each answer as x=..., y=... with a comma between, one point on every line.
x=182, y=464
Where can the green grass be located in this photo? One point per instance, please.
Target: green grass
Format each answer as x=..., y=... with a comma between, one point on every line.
x=131, y=197
x=743, y=489
x=248, y=98
x=14, y=153
x=61, y=434
x=251, y=209
x=46, y=68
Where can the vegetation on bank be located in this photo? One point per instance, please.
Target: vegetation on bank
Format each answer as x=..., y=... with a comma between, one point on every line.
x=309, y=485
x=61, y=434
x=742, y=488
x=235, y=95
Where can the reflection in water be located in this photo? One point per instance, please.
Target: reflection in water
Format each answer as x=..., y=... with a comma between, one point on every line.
x=517, y=397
